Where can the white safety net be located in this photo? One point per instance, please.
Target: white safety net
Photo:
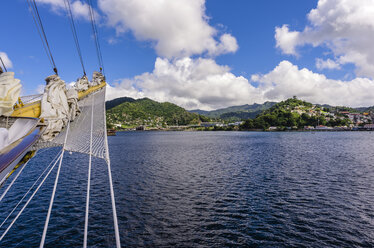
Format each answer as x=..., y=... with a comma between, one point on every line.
x=79, y=134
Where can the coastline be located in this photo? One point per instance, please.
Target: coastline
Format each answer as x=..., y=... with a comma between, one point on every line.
x=242, y=130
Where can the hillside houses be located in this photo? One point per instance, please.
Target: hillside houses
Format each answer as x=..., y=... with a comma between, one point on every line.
x=355, y=118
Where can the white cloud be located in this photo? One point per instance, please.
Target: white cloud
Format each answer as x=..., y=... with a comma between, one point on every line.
x=345, y=27
x=286, y=40
x=179, y=28
x=7, y=62
x=326, y=64
x=112, y=40
x=227, y=44
x=287, y=80
x=201, y=83
x=191, y=83
x=79, y=8
x=55, y=4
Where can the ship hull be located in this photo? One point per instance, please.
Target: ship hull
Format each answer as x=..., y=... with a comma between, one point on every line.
x=11, y=155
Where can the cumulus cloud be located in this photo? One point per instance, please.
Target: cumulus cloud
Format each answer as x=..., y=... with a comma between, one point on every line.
x=7, y=62
x=286, y=40
x=191, y=83
x=287, y=80
x=201, y=83
x=79, y=8
x=326, y=64
x=178, y=28
x=345, y=27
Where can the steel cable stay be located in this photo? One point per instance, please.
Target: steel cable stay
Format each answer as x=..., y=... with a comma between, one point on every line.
x=31, y=9
x=2, y=62
x=74, y=32
x=96, y=34
x=96, y=37
x=41, y=31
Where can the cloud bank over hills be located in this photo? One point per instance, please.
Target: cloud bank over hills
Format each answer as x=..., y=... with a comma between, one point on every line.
x=203, y=84
x=344, y=27
x=191, y=83
x=186, y=72
x=287, y=80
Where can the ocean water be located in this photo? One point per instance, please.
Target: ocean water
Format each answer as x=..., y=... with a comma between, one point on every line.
x=208, y=189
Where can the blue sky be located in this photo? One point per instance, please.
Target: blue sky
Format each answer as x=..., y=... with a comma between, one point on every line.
x=203, y=54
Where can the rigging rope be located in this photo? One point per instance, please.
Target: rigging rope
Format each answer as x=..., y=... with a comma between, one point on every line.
x=41, y=31
x=28, y=191
x=96, y=37
x=115, y=219
x=28, y=201
x=88, y=180
x=74, y=31
x=95, y=143
x=114, y=210
x=15, y=178
x=2, y=62
x=19, y=172
x=54, y=189
x=79, y=139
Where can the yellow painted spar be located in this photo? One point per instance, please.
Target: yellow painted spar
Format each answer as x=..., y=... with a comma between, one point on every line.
x=34, y=109
x=28, y=110
x=84, y=93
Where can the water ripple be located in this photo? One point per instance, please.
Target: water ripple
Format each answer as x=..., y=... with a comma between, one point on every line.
x=210, y=189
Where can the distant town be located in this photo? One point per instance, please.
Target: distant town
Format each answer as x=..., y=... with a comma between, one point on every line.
x=291, y=114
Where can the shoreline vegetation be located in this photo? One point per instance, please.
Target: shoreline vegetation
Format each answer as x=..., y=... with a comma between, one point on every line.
x=293, y=114
x=184, y=129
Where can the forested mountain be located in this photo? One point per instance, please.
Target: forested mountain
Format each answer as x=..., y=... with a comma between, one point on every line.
x=234, y=113
x=127, y=112
x=112, y=103
x=295, y=113
x=131, y=113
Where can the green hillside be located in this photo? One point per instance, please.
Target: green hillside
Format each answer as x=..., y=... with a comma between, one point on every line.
x=146, y=112
x=236, y=113
x=112, y=103
x=295, y=113
x=365, y=109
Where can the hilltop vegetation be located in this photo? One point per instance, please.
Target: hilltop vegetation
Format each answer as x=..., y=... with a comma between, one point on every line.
x=295, y=113
x=289, y=114
x=236, y=113
x=132, y=113
x=112, y=103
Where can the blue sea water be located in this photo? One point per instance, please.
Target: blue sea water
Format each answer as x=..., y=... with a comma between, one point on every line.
x=208, y=189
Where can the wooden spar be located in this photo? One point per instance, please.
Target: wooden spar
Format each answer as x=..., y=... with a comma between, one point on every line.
x=90, y=90
x=34, y=109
